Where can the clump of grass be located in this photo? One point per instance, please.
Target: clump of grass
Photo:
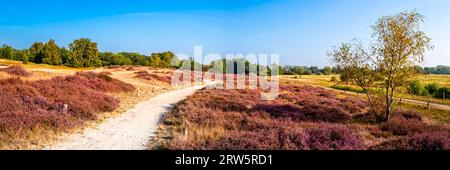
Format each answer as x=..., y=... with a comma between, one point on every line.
x=17, y=71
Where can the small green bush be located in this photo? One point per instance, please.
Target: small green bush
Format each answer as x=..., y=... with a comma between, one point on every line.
x=442, y=92
x=333, y=78
x=432, y=88
x=417, y=88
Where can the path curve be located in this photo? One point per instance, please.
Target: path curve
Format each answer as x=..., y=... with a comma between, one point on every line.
x=128, y=131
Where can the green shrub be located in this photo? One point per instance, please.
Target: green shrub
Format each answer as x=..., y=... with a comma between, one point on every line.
x=347, y=88
x=345, y=77
x=432, y=88
x=333, y=78
x=417, y=88
x=441, y=92
x=25, y=60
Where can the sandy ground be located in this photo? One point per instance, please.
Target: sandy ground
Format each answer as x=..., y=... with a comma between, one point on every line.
x=128, y=131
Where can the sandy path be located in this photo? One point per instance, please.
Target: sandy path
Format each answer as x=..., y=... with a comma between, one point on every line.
x=130, y=130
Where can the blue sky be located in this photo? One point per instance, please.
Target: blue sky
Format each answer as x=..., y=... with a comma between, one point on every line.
x=300, y=31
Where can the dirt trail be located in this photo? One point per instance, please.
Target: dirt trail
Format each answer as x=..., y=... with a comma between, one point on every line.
x=130, y=130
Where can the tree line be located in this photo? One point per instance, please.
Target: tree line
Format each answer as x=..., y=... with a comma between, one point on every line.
x=304, y=70
x=440, y=69
x=82, y=53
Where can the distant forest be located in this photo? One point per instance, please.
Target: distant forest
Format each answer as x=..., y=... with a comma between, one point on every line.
x=305, y=70
x=84, y=53
x=436, y=70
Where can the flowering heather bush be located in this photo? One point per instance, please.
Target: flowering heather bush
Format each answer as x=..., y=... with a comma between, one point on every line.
x=273, y=139
x=16, y=70
x=307, y=103
x=402, y=126
x=333, y=137
x=252, y=140
x=151, y=76
x=317, y=112
x=300, y=119
x=321, y=104
x=251, y=123
x=368, y=117
x=279, y=138
x=81, y=100
x=97, y=81
x=58, y=103
x=22, y=107
x=312, y=113
x=424, y=141
x=408, y=115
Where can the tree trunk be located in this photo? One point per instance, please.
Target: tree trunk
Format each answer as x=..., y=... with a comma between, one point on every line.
x=388, y=105
x=390, y=102
x=371, y=103
x=388, y=112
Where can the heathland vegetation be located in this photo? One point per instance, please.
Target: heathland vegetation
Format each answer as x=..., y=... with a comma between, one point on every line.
x=306, y=117
x=302, y=117
x=55, y=104
x=42, y=102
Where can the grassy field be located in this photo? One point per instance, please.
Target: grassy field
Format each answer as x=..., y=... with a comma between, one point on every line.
x=442, y=80
x=325, y=81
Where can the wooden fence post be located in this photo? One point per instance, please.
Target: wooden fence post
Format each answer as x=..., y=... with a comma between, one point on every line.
x=65, y=108
x=185, y=134
x=443, y=95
